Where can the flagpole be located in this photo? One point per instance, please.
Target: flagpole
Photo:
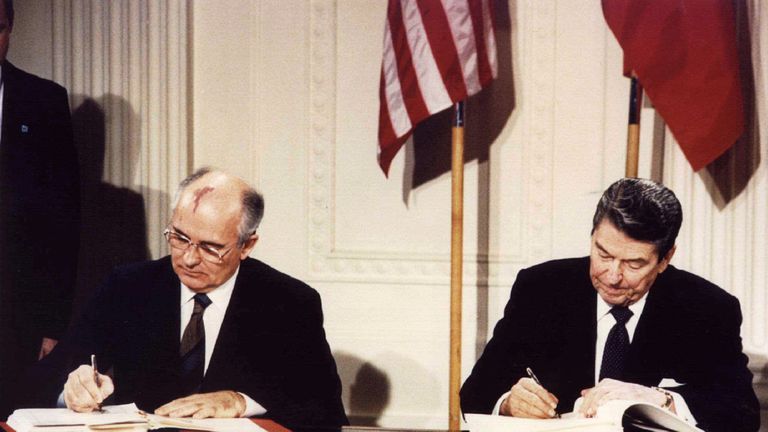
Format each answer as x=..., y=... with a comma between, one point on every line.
x=457, y=250
x=633, y=128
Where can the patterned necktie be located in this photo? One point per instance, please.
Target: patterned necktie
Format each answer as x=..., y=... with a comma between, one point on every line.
x=192, y=349
x=616, y=345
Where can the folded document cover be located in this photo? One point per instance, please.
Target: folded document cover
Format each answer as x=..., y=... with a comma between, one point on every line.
x=613, y=416
x=123, y=417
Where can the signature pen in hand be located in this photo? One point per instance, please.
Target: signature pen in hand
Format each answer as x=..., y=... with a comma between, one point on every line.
x=536, y=380
x=96, y=378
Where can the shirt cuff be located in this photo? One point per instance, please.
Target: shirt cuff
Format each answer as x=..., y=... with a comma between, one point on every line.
x=497, y=407
x=252, y=408
x=60, y=401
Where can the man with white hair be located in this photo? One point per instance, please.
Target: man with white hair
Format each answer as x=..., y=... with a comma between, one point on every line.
x=206, y=331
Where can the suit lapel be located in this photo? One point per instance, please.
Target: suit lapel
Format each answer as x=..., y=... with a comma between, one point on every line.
x=649, y=337
x=241, y=312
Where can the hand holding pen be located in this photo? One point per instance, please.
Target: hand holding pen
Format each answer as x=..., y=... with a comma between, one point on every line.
x=536, y=380
x=86, y=388
x=97, y=380
x=529, y=399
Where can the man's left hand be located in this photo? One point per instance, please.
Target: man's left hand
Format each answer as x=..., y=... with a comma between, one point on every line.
x=203, y=405
x=610, y=389
x=46, y=347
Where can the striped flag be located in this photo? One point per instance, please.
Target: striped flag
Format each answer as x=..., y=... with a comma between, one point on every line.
x=685, y=55
x=436, y=53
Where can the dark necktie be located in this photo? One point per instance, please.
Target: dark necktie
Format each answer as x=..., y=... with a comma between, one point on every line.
x=616, y=345
x=192, y=349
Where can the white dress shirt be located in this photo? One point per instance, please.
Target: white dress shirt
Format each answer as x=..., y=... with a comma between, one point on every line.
x=606, y=321
x=213, y=315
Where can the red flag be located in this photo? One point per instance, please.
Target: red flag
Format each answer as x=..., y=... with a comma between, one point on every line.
x=685, y=55
x=436, y=53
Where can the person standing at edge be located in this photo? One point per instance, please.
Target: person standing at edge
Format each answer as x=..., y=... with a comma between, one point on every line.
x=39, y=216
x=620, y=324
x=204, y=332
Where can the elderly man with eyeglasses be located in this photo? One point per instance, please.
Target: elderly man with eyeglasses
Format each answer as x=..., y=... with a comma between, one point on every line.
x=206, y=331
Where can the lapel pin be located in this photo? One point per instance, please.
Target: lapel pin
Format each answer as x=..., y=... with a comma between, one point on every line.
x=24, y=128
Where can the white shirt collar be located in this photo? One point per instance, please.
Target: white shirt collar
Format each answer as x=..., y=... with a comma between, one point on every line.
x=604, y=308
x=219, y=295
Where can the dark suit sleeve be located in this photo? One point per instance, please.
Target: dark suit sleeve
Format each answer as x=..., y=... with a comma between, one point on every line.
x=310, y=392
x=60, y=251
x=90, y=334
x=549, y=326
x=507, y=354
x=718, y=387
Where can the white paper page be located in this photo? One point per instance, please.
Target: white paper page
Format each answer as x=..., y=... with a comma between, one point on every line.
x=209, y=424
x=116, y=415
x=496, y=423
x=64, y=416
x=63, y=419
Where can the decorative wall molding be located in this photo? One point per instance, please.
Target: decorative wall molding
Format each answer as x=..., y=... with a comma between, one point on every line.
x=129, y=61
x=539, y=132
x=330, y=262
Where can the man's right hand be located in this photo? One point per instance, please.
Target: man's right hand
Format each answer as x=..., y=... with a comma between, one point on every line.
x=529, y=400
x=82, y=394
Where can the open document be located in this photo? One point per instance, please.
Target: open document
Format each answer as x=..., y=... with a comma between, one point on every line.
x=122, y=417
x=613, y=416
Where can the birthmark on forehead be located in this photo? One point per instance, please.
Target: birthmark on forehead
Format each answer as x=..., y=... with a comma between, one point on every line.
x=199, y=194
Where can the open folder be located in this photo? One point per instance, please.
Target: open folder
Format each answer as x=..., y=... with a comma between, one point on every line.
x=613, y=416
x=122, y=417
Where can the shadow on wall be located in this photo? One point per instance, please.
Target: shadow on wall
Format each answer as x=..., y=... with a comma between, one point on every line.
x=428, y=152
x=728, y=176
x=366, y=389
x=113, y=224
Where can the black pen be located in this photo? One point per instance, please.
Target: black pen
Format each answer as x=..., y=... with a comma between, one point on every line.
x=536, y=380
x=96, y=377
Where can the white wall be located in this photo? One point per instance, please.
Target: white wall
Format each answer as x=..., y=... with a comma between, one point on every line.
x=32, y=45
x=285, y=93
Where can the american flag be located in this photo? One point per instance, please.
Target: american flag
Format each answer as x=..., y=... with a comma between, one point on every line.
x=436, y=53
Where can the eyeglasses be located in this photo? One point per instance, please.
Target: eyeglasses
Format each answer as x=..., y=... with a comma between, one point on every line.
x=209, y=253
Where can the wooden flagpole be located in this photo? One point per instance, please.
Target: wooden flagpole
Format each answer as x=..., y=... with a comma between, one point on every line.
x=457, y=251
x=633, y=128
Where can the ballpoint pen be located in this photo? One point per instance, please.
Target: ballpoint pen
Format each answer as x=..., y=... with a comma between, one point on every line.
x=536, y=380
x=96, y=377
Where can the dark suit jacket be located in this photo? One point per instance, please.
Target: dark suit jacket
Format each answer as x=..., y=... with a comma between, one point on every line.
x=271, y=346
x=39, y=214
x=689, y=331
